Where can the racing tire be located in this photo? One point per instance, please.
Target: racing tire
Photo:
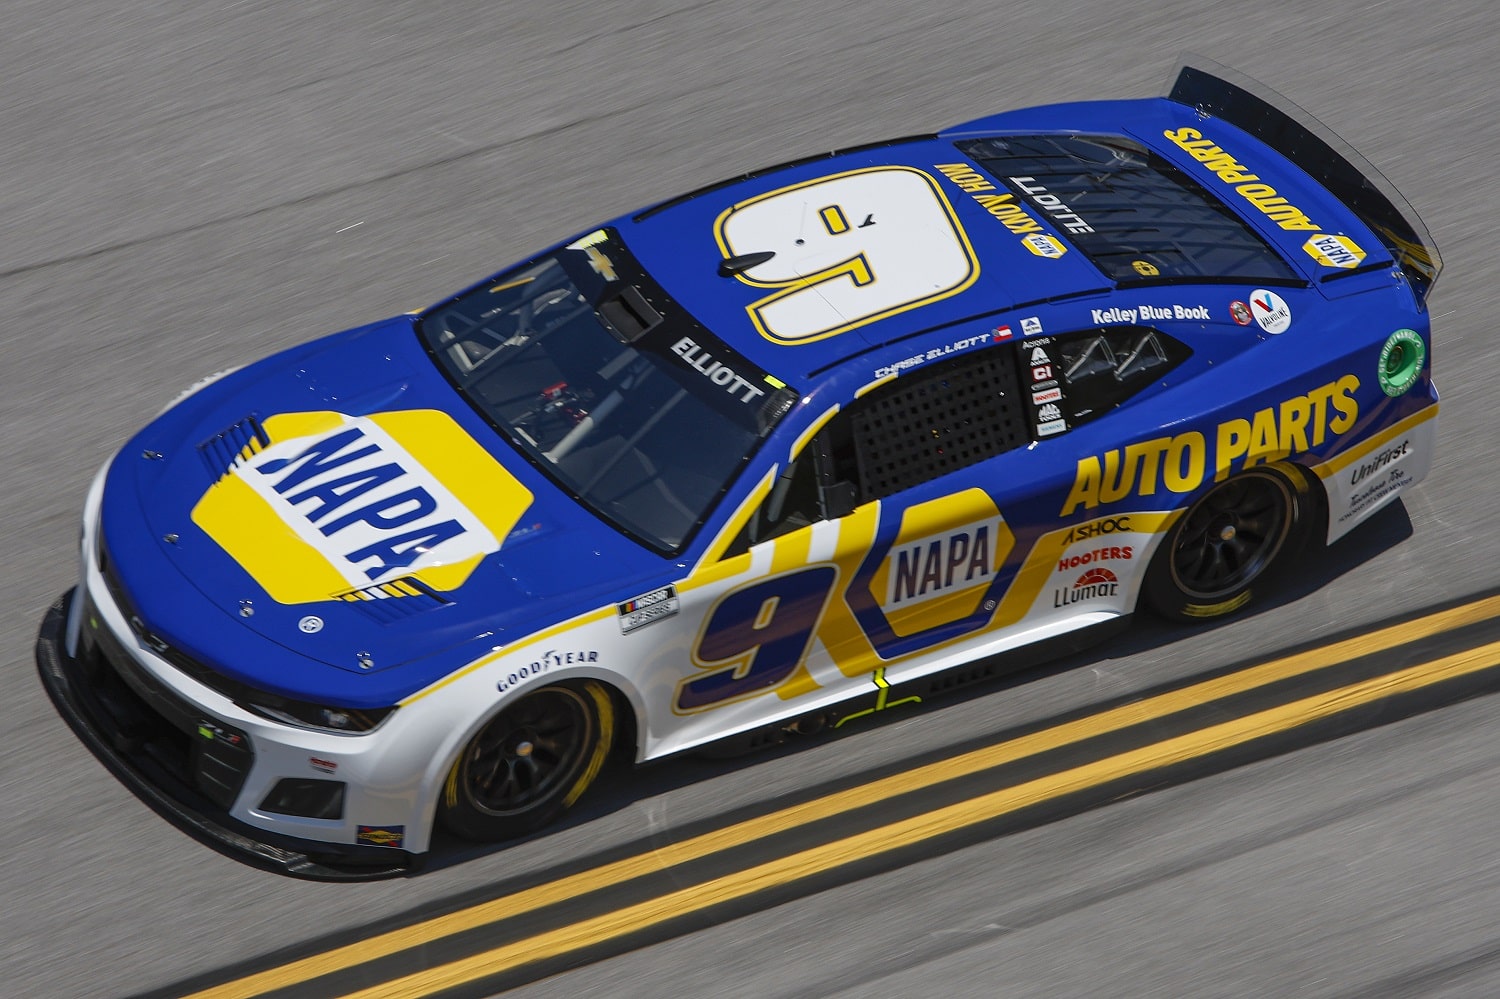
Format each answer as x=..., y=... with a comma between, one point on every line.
x=1228, y=545
x=527, y=764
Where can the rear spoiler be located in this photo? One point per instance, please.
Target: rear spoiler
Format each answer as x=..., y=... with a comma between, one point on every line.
x=1218, y=91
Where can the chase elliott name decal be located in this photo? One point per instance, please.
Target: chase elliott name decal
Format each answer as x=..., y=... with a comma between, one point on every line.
x=337, y=503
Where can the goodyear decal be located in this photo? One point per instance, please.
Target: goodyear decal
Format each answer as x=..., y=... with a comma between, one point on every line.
x=1005, y=206
x=1180, y=464
x=338, y=503
x=1262, y=197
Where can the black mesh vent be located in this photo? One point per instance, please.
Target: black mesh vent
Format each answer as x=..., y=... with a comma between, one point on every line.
x=954, y=415
x=233, y=445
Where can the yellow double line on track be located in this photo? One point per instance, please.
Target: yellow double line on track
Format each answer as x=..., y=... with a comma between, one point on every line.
x=897, y=835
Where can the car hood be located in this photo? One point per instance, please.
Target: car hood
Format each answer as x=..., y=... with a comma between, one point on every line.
x=340, y=504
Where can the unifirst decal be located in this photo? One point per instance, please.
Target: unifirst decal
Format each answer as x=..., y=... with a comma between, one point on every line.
x=1180, y=464
x=1246, y=184
x=338, y=503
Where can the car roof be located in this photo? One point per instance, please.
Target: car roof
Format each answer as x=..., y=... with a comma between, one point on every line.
x=683, y=241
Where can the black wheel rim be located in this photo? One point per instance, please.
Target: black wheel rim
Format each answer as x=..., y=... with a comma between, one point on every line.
x=1230, y=536
x=528, y=752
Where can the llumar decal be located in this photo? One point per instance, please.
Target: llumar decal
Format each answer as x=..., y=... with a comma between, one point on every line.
x=338, y=503
x=849, y=249
x=1180, y=464
x=1228, y=169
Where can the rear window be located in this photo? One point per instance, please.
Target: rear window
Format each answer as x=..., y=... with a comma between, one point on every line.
x=1135, y=215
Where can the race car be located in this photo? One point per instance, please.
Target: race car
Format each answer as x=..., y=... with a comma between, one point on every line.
x=772, y=455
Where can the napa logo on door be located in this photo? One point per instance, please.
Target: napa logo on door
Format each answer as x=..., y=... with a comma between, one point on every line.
x=946, y=554
x=339, y=503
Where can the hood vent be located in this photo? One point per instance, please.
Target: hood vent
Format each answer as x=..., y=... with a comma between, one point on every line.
x=233, y=445
x=396, y=600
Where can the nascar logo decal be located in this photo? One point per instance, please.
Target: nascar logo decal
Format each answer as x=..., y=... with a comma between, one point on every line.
x=337, y=503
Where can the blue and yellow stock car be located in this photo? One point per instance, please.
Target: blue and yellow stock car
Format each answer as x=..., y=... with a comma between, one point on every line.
x=747, y=458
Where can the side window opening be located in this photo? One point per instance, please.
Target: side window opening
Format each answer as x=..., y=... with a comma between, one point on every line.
x=1097, y=370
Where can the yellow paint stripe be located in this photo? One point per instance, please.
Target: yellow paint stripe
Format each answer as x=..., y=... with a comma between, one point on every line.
x=811, y=431
x=868, y=387
x=1336, y=464
x=736, y=524
x=938, y=822
x=732, y=836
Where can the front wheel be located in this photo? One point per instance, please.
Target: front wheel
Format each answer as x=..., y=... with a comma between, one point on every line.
x=529, y=763
x=1226, y=544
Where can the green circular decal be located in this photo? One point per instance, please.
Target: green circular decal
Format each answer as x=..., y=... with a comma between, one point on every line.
x=1401, y=361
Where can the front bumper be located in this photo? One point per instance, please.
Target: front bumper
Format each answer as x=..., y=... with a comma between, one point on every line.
x=135, y=727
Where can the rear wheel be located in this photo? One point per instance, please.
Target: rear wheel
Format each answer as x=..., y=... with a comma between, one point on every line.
x=529, y=763
x=1225, y=546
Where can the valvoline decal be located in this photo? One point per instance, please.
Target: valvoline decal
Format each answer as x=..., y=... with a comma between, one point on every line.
x=339, y=503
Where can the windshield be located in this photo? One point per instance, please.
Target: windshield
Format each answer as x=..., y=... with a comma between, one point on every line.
x=608, y=386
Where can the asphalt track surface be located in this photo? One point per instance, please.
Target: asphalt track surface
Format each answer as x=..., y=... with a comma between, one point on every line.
x=187, y=186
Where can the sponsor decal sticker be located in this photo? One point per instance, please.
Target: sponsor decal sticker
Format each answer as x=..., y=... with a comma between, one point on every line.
x=1043, y=245
x=1005, y=206
x=717, y=372
x=1334, y=251
x=1240, y=313
x=1145, y=268
x=1094, y=584
x=1098, y=529
x=1031, y=326
x=1401, y=362
x=338, y=503
x=935, y=573
x=212, y=731
x=1181, y=464
x=391, y=836
x=647, y=608
x=544, y=663
x=1105, y=554
x=1002, y=333
x=935, y=353
x=1038, y=195
x=1382, y=458
x=1046, y=396
x=1270, y=311
x=1262, y=197
x=1149, y=313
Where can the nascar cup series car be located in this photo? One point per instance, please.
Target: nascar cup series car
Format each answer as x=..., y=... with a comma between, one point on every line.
x=755, y=458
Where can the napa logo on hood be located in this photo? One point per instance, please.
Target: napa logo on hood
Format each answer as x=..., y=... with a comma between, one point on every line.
x=336, y=504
